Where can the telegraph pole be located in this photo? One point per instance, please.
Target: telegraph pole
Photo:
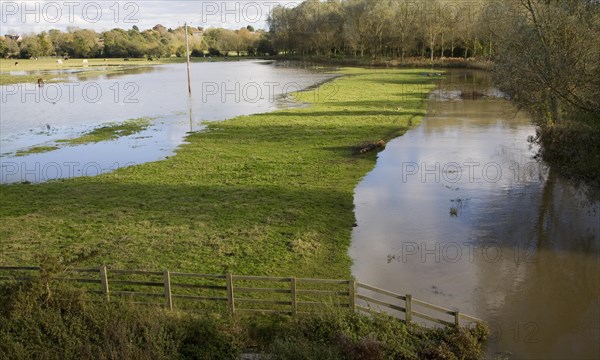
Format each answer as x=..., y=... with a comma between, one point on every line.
x=187, y=55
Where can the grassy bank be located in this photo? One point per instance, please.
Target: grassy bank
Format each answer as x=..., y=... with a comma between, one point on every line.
x=412, y=62
x=39, y=323
x=269, y=194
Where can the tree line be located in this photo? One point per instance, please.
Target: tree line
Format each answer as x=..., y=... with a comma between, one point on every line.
x=119, y=43
x=386, y=28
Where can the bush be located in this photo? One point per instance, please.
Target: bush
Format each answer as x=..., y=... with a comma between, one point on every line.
x=214, y=52
x=573, y=147
x=197, y=53
x=346, y=335
x=62, y=324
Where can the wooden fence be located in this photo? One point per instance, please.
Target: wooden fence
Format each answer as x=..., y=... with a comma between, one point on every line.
x=240, y=293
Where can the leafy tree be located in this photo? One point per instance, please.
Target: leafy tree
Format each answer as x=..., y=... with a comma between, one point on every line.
x=30, y=47
x=3, y=47
x=265, y=47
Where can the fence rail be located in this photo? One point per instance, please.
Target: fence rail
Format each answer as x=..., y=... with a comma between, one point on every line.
x=288, y=295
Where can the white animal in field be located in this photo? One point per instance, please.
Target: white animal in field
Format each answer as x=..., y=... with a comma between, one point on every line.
x=59, y=61
x=85, y=61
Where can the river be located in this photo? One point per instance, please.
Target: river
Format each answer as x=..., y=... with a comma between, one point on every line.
x=459, y=213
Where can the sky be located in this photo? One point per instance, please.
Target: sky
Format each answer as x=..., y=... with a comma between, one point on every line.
x=27, y=16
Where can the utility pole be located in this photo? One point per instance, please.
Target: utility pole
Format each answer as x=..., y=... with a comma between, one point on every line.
x=187, y=55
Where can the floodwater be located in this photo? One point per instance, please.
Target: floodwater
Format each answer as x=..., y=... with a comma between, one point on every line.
x=32, y=116
x=458, y=213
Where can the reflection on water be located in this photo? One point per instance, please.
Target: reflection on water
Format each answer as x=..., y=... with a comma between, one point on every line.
x=457, y=213
x=33, y=116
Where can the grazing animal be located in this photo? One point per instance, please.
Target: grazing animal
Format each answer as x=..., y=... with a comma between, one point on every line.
x=40, y=82
x=125, y=59
x=16, y=63
x=59, y=61
x=85, y=61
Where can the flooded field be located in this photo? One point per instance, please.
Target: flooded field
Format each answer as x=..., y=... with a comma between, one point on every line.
x=34, y=116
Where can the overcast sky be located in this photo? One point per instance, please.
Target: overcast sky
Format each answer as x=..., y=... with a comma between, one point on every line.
x=26, y=16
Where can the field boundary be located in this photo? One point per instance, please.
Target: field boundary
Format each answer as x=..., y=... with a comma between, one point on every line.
x=286, y=295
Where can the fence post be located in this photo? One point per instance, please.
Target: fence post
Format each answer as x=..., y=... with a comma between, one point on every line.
x=104, y=282
x=230, y=300
x=457, y=318
x=352, y=294
x=168, y=296
x=408, y=307
x=293, y=289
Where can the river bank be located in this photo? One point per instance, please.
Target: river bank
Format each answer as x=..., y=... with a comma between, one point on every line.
x=408, y=63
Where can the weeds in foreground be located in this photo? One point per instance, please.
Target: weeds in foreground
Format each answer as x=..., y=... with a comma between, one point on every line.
x=43, y=319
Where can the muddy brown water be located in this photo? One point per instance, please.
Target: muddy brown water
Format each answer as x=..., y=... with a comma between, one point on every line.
x=458, y=213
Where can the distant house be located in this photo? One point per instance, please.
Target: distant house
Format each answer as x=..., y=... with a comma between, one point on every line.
x=17, y=38
x=195, y=32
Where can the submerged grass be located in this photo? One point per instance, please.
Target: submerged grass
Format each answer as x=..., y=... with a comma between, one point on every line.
x=110, y=131
x=268, y=194
x=37, y=150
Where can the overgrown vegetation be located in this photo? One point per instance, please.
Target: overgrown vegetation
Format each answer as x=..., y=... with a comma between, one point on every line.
x=43, y=319
x=268, y=194
x=548, y=64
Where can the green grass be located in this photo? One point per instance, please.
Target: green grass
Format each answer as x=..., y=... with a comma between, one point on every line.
x=110, y=131
x=268, y=194
x=37, y=150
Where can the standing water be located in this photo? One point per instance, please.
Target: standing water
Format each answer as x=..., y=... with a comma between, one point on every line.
x=458, y=213
x=34, y=117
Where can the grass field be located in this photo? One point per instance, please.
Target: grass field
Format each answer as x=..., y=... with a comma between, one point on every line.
x=268, y=194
